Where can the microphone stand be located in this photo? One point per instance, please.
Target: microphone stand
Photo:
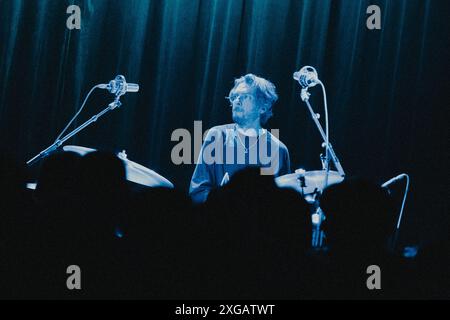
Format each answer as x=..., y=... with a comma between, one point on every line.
x=317, y=234
x=44, y=153
x=305, y=97
x=400, y=216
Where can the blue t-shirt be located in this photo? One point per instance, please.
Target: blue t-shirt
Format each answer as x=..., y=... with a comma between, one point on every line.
x=226, y=151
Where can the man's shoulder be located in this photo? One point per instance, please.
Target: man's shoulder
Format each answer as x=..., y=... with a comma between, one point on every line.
x=223, y=127
x=277, y=141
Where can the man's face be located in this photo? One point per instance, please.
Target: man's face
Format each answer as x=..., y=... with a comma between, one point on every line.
x=244, y=105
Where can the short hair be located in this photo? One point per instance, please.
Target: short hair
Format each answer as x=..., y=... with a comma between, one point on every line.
x=264, y=92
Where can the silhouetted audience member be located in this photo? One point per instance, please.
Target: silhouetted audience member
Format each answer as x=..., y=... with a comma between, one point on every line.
x=250, y=240
x=12, y=184
x=360, y=217
x=57, y=180
x=432, y=277
x=359, y=221
x=14, y=220
x=80, y=202
x=158, y=235
x=102, y=202
x=254, y=239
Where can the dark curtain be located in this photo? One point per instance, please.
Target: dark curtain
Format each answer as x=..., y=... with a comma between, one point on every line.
x=387, y=103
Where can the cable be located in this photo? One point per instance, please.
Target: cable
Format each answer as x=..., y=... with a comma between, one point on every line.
x=327, y=139
x=397, y=230
x=78, y=112
x=403, y=202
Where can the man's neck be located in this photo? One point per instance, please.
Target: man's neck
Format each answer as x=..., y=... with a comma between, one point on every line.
x=251, y=129
x=255, y=125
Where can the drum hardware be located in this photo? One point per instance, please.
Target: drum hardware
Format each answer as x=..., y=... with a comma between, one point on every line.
x=134, y=171
x=311, y=184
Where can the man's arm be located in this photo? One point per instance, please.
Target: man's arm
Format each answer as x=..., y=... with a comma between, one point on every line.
x=203, y=180
x=285, y=162
x=201, y=183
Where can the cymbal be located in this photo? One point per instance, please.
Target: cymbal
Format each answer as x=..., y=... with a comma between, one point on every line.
x=82, y=151
x=134, y=172
x=314, y=181
x=142, y=175
x=32, y=185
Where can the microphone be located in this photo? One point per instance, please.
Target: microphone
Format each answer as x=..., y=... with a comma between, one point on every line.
x=307, y=77
x=393, y=180
x=119, y=86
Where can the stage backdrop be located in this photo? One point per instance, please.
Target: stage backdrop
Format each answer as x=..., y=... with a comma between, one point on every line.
x=387, y=106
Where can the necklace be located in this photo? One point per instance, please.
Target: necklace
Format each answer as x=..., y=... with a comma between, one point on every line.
x=243, y=144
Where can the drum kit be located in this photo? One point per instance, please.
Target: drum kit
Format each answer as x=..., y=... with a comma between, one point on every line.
x=135, y=172
x=310, y=184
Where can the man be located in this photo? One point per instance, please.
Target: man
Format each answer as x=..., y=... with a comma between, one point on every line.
x=233, y=147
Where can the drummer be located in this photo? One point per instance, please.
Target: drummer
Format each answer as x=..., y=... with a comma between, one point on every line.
x=232, y=147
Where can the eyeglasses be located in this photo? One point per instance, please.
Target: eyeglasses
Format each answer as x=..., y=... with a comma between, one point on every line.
x=241, y=97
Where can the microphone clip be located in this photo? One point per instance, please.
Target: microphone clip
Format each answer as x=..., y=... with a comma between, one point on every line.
x=304, y=95
x=118, y=86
